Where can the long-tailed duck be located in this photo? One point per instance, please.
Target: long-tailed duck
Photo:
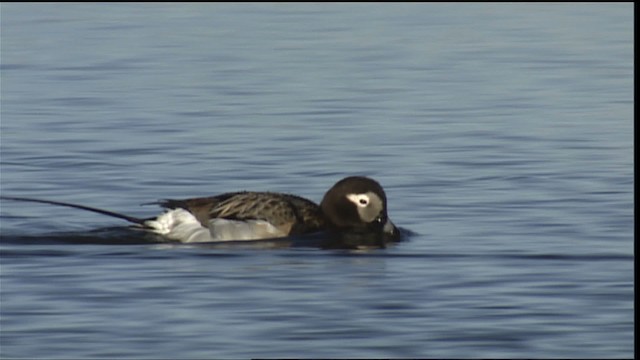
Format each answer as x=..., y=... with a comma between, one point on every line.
x=353, y=211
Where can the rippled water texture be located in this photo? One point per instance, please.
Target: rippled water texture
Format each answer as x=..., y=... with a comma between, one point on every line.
x=502, y=133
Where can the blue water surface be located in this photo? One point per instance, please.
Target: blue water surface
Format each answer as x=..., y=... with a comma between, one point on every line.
x=502, y=134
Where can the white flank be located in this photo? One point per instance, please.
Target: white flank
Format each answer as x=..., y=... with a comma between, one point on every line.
x=181, y=225
x=225, y=230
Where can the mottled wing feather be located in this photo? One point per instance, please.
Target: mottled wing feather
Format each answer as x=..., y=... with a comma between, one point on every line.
x=270, y=207
x=199, y=207
x=308, y=213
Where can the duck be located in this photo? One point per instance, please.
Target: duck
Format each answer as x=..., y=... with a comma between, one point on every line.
x=352, y=213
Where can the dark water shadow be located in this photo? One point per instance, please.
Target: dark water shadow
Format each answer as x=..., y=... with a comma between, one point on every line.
x=120, y=235
x=125, y=235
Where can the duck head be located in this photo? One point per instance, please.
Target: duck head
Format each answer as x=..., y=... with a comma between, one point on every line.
x=356, y=209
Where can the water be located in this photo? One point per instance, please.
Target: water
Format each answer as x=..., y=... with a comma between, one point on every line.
x=502, y=134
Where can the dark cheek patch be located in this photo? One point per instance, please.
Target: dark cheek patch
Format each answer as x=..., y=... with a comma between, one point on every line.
x=345, y=213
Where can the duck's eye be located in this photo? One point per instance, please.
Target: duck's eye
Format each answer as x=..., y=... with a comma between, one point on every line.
x=361, y=200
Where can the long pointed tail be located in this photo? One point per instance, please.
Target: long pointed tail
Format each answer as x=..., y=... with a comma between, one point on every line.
x=131, y=219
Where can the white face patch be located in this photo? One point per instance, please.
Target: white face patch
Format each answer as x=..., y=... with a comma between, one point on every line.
x=361, y=200
x=369, y=205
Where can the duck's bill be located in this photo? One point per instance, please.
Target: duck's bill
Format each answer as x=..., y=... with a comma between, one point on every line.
x=390, y=230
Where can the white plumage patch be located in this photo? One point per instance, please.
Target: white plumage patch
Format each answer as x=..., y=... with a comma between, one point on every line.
x=225, y=230
x=361, y=200
x=181, y=225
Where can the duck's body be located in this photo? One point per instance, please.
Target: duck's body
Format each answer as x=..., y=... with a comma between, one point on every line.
x=353, y=211
x=237, y=216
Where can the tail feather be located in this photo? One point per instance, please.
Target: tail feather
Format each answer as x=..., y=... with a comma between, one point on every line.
x=128, y=218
